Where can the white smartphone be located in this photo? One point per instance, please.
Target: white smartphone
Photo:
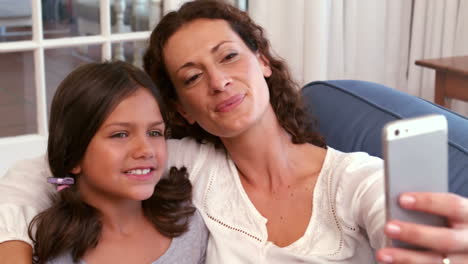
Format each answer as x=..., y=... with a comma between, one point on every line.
x=415, y=158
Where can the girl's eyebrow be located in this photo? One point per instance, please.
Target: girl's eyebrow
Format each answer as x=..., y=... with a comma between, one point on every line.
x=129, y=124
x=213, y=50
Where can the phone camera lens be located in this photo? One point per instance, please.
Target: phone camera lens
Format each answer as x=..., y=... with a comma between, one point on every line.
x=397, y=132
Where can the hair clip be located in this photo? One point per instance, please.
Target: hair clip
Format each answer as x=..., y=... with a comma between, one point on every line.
x=62, y=183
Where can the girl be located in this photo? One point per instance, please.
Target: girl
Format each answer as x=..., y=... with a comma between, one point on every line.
x=107, y=153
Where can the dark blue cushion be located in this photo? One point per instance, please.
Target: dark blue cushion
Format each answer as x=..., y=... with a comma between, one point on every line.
x=351, y=115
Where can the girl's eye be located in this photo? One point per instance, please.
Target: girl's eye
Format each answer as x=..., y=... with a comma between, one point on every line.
x=230, y=56
x=192, y=79
x=155, y=133
x=120, y=135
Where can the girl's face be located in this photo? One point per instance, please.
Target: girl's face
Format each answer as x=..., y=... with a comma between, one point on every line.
x=126, y=157
x=219, y=81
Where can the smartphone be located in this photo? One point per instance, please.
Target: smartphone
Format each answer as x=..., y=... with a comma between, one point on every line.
x=415, y=158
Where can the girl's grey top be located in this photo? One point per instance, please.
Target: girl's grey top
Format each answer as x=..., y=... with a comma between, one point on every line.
x=189, y=248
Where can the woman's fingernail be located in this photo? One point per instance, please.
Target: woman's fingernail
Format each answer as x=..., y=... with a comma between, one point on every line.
x=407, y=200
x=393, y=229
x=387, y=258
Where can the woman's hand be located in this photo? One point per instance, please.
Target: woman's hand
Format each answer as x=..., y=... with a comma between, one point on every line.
x=447, y=245
x=16, y=252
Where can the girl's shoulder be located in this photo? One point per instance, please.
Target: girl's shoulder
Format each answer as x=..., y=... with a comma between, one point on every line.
x=190, y=247
x=64, y=259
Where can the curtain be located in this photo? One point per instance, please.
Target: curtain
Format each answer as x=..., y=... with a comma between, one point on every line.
x=297, y=30
x=372, y=40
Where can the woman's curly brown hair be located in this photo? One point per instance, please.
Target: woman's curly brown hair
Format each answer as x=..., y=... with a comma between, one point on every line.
x=284, y=96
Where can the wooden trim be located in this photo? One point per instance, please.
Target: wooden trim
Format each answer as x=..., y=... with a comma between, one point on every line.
x=439, y=95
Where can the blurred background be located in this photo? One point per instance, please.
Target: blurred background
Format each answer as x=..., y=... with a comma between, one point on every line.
x=41, y=41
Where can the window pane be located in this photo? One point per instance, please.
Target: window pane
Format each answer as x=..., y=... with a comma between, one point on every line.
x=131, y=52
x=17, y=94
x=243, y=4
x=134, y=15
x=70, y=18
x=60, y=62
x=15, y=20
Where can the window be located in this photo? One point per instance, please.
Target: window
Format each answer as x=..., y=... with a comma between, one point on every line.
x=42, y=41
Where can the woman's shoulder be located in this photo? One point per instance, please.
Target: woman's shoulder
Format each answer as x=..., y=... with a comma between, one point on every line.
x=37, y=166
x=346, y=173
x=355, y=185
x=186, y=147
x=188, y=144
x=191, y=154
x=345, y=163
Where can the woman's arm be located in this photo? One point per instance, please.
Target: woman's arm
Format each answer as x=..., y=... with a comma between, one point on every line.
x=362, y=186
x=24, y=192
x=15, y=252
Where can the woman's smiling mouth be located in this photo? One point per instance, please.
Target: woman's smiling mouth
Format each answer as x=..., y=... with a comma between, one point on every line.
x=230, y=103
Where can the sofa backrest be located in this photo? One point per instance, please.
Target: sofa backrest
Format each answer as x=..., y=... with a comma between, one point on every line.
x=351, y=115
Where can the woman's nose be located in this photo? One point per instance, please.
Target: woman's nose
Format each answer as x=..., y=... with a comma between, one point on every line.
x=219, y=80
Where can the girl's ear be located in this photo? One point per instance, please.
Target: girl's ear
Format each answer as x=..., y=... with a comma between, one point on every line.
x=184, y=113
x=264, y=64
x=76, y=170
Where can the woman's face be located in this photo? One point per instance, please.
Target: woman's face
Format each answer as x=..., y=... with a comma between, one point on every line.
x=219, y=81
x=127, y=155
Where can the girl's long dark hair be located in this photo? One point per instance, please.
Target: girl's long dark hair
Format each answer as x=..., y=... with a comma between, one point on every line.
x=82, y=102
x=284, y=96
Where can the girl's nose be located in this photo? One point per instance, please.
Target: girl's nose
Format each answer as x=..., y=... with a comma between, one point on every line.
x=143, y=149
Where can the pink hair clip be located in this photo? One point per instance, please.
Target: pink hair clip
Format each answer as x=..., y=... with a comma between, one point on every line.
x=62, y=183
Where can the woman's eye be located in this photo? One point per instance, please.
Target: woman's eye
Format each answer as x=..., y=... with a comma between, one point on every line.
x=191, y=79
x=230, y=56
x=155, y=133
x=120, y=135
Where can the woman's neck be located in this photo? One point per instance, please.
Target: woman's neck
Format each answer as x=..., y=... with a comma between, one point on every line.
x=267, y=159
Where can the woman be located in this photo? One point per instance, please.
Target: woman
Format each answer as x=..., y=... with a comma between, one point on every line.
x=267, y=188
x=107, y=152
x=214, y=64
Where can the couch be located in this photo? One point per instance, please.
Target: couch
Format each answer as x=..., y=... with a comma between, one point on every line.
x=351, y=114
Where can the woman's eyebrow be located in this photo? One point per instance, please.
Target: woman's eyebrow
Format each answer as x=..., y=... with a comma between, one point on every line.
x=213, y=50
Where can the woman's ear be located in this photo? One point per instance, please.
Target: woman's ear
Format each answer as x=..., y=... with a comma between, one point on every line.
x=184, y=113
x=264, y=64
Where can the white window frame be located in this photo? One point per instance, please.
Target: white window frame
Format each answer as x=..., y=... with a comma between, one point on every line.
x=21, y=147
x=31, y=145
